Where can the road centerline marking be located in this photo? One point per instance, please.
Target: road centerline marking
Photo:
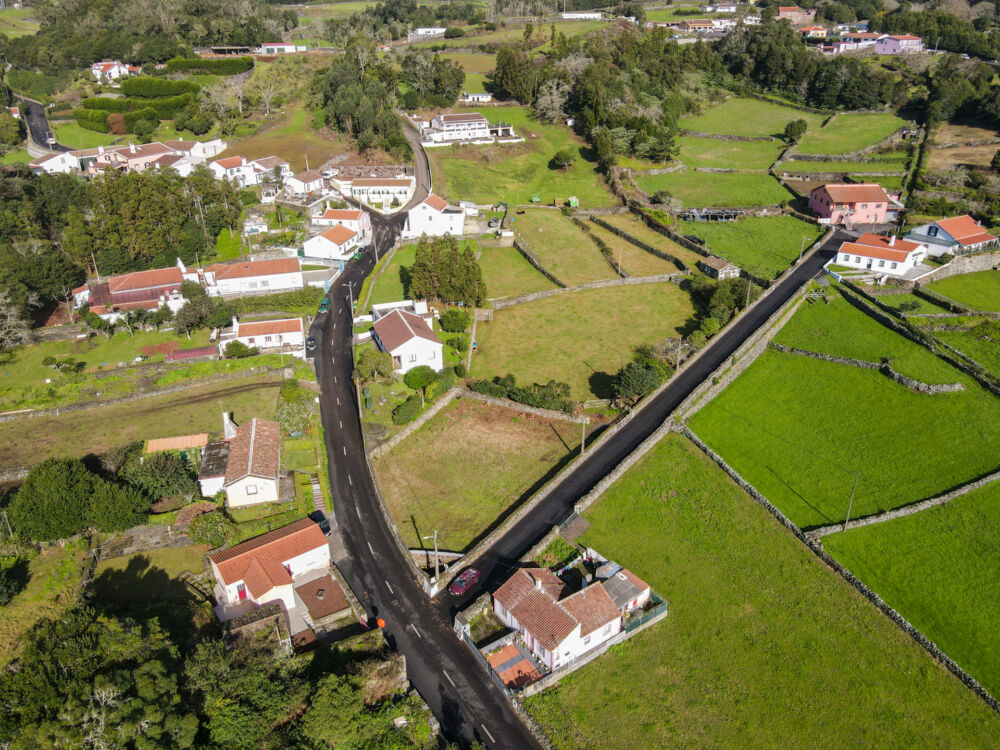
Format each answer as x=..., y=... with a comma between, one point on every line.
x=487, y=733
x=370, y=548
x=389, y=587
x=416, y=631
x=449, y=678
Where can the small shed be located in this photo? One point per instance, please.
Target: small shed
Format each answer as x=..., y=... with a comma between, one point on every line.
x=719, y=268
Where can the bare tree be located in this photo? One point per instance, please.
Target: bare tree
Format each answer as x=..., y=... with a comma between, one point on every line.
x=551, y=101
x=13, y=326
x=266, y=87
x=236, y=86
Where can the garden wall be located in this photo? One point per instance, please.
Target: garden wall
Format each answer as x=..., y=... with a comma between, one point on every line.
x=964, y=264
x=505, y=403
x=640, y=244
x=503, y=302
x=522, y=247
x=416, y=424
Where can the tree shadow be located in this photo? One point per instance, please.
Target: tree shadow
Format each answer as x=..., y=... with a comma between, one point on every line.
x=601, y=384
x=405, y=278
x=18, y=575
x=451, y=716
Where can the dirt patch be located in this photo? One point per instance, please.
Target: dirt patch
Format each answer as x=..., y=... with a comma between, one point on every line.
x=165, y=348
x=187, y=513
x=968, y=147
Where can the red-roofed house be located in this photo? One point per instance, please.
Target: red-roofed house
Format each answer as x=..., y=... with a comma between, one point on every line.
x=336, y=243
x=253, y=277
x=145, y=290
x=795, y=15
x=286, y=334
x=304, y=183
x=265, y=569
x=955, y=235
x=108, y=71
x=864, y=203
x=235, y=169
x=355, y=219
x=15, y=112
x=881, y=255
x=435, y=218
x=898, y=44
x=409, y=340
x=557, y=630
x=812, y=32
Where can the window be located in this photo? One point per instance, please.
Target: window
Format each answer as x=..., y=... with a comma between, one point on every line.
x=264, y=284
x=893, y=266
x=846, y=256
x=250, y=341
x=413, y=358
x=607, y=629
x=932, y=231
x=586, y=640
x=433, y=354
x=864, y=205
x=252, y=285
x=267, y=339
x=881, y=264
x=251, y=489
x=857, y=258
x=278, y=338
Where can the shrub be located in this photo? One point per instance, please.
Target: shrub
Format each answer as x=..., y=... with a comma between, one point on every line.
x=444, y=382
x=157, y=87
x=295, y=416
x=407, y=411
x=461, y=370
x=239, y=350
x=373, y=363
x=453, y=32
x=459, y=343
x=551, y=395
x=225, y=66
x=562, y=159
x=116, y=123
x=209, y=528
x=455, y=320
x=91, y=119
x=795, y=130
x=13, y=579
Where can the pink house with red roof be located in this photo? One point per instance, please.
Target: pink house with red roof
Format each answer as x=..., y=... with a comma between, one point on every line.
x=848, y=204
x=898, y=44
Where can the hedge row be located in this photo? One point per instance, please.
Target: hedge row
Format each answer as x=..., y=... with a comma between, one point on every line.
x=154, y=88
x=226, y=66
x=92, y=119
x=166, y=108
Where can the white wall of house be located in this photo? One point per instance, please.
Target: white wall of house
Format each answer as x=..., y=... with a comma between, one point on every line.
x=317, y=558
x=416, y=352
x=251, y=490
x=878, y=265
x=321, y=247
x=210, y=486
x=362, y=227
x=423, y=219
x=382, y=196
x=297, y=186
x=278, y=282
x=295, y=339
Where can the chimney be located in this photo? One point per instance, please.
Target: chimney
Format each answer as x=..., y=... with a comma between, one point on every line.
x=892, y=240
x=228, y=426
x=236, y=326
x=538, y=584
x=131, y=147
x=100, y=149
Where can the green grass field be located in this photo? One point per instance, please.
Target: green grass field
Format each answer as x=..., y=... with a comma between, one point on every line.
x=979, y=290
x=763, y=245
x=763, y=647
x=150, y=576
x=472, y=62
x=580, y=338
x=432, y=480
x=749, y=117
x=939, y=568
x=708, y=152
x=926, y=307
x=228, y=245
x=72, y=135
x=291, y=138
x=20, y=156
x=707, y=189
x=474, y=83
x=638, y=229
x=563, y=248
x=847, y=133
x=508, y=274
x=388, y=286
x=983, y=350
x=513, y=172
x=506, y=36
x=897, y=166
x=635, y=260
x=15, y=22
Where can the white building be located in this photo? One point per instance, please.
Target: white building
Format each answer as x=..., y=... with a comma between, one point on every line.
x=451, y=128
x=108, y=71
x=355, y=219
x=898, y=44
x=252, y=277
x=272, y=167
x=285, y=335
x=479, y=98
x=435, y=218
x=416, y=307
x=557, y=629
x=131, y=158
x=582, y=16
x=245, y=463
x=954, y=235
x=429, y=31
x=338, y=243
x=304, y=183
x=881, y=255
x=385, y=194
x=409, y=340
x=280, y=48
x=234, y=169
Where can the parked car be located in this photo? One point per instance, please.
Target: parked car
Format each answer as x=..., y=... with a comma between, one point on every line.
x=464, y=581
x=320, y=518
x=694, y=238
x=311, y=344
x=324, y=305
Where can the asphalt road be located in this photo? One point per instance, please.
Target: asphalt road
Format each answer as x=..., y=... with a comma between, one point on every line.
x=34, y=116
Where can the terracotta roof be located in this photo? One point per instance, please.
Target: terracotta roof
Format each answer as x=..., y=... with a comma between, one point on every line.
x=436, y=202
x=310, y=176
x=880, y=241
x=268, y=327
x=377, y=182
x=178, y=443
x=812, y=28
x=142, y=150
x=965, y=230
x=535, y=609
x=524, y=580
x=158, y=277
x=230, y=162
x=717, y=263
x=270, y=162
x=592, y=608
x=398, y=327
x=167, y=160
x=263, y=574
x=279, y=545
x=473, y=117
x=198, y=351
x=323, y=597
x=342, y=214
x=788, y=8
x=867, y=251
x=868, y=192
x=862, y=35
x=338, y=235
x=255, y=451
x=179, y=145
x=248, y=268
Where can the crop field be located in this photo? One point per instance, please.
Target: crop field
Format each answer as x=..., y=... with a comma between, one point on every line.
x=979, y=290
x=847, y=133
x=752, y=653
x=513, y=172
x=749, y=117
x=710, y=189
x=940, y=569
x=563, y=248
x=709, y=152
x=292, y=138
x=467, y=467
x=507, y=273
x=638, y=229
x=472, y=62
x=580, y=338
x=764, y=245
x=15, y=22
x=635, y=260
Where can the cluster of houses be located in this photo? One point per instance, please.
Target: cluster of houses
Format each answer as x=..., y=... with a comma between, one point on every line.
x=463, y=127
x=243, y=173
x=180, y=155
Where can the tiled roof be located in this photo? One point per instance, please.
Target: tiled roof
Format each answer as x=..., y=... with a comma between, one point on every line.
x=436, y=202
x=398, y=327
x=323, y=597
x=624, y=587
x=525, y=580
x=905, y=37
x=535, y=609
x=592, y=608
x=310, y=176
x=197, y=351
x=880, y=253
x=180, y=145
x=249, y=268
x=167, y=160
x=269, y=327
x=178, y=443
x=342, y=214
x=474, y=117
x=377, y=182
x=263, y=574
x=880, y=241
x=255, y=451
x=718, y=264
x=338, y=235
x=861, y=193
x=270, y=162
x=158, y=277
x=965, y=230
x=230, y=161
x=279, y=545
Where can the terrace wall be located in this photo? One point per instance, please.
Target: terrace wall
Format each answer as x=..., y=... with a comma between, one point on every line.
x=416, y=424
x=964, y=264
x=504, y=302
x=504, y=403
x=640, y=244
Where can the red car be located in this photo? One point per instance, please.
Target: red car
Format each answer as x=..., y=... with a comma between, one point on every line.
x=464, y=581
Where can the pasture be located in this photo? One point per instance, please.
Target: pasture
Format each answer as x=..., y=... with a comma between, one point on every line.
x=390, y=280
x=748, y=117
x=634, y=260
x=15, y=22
x=940, y=569
x=68, y=133
x=896, y=165
x=581, y=338
x=564, y=249
x=752, y=653
x=979, y=290
x=847, y=133
x=508, y=274
x=467, y=467
x=979, y=347
x=472, y=62
x=971, y=147
x=708, y=189
x=709, y=152
x=513, y=172
x=638, y=229
x=292, y=138
x=764, y=245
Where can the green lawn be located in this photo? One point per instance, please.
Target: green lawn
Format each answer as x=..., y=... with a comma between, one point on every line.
x=708, y=189
x=72, y=135
x=984, y=349
x=388, y=285
x=20, y=156
x=513, y=172
x=763, y=245
x=638, y=229
x=896, y=300
x=979, y=290
x=167, y=132
x=508, y=274
x=15, y=22
x=896, y=165
x=709, y=152
x=940, y=569
x=748, y=117
x=432, y=480
x=150, y=576
x=474, y=83
x=564, y=249
x=506, y=36
x=635, y=260
x=763, y=647
x=580, y=338
x=847, y=133
x=228, y=245
x=472, y=62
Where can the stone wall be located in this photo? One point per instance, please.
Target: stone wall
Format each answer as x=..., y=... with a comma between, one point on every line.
x=14, y=473
x=416, y=424
x=964, y=264
x=505, y=403
x=522, y=247
x=720, y=137
x=640, y=244
x=503, y=302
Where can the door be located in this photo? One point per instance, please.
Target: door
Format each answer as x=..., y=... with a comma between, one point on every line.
x=241, y=592
x=869, y=263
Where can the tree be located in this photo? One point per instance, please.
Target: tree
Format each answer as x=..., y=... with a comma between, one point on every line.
x=795, y=130
x=373, y=363
x=10, y=131
x=635, y=381
x=995, y=161
x=563, y=159
x=13, y=327
x=160, y=475
x=239, y=350
x=419, y=378
x=54, y=501
x=454, y=320
x=514, y=77
x=551, y=102
x=266, y=86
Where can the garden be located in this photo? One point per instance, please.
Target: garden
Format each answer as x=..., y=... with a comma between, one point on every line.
x=752, y=652
x=714, y=189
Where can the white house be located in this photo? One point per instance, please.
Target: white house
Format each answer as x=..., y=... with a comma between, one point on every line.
x=336, y=243
x=304, y=183
x=385, y=194
x=718, y=268
x=265, y=569
x=108, y=71
x=281, y=48
x=429, y=31
x=751, y=20
x=626, y=589
x=272, y=167
x=898, y=44
x=881, y=255
x=452, y=128
x=286, y=335
x=409, y=340
x=435, y=218
x=557, y=629
x=582, y=16
x=356, y=220
x=479, y=98
x=252, y=277
x=235, y=169
x=723, y=24
x=955, y=235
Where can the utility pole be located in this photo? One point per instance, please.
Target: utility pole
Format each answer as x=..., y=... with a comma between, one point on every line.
x=435, y=537
x=10, y=532
x=803, y=248
x=583, y=438
x=350, y=300
x=851, y=503
x=307, y=162
x=749, y=287
x=96, y=272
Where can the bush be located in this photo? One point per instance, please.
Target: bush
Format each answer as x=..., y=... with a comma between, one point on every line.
x=147, y=88
x=455, y=320
x=209, y=528
x=562, y=159
x=116, y=123
x=453, y=32
x=92, y=119
x=459, y=343
x=551, y=395
x=239, y=350
x=461, y=370
x=13, y=579
x=407, y=411
x=225, y=66
x=373, y=363
x=419, y=377
x=444, y=382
